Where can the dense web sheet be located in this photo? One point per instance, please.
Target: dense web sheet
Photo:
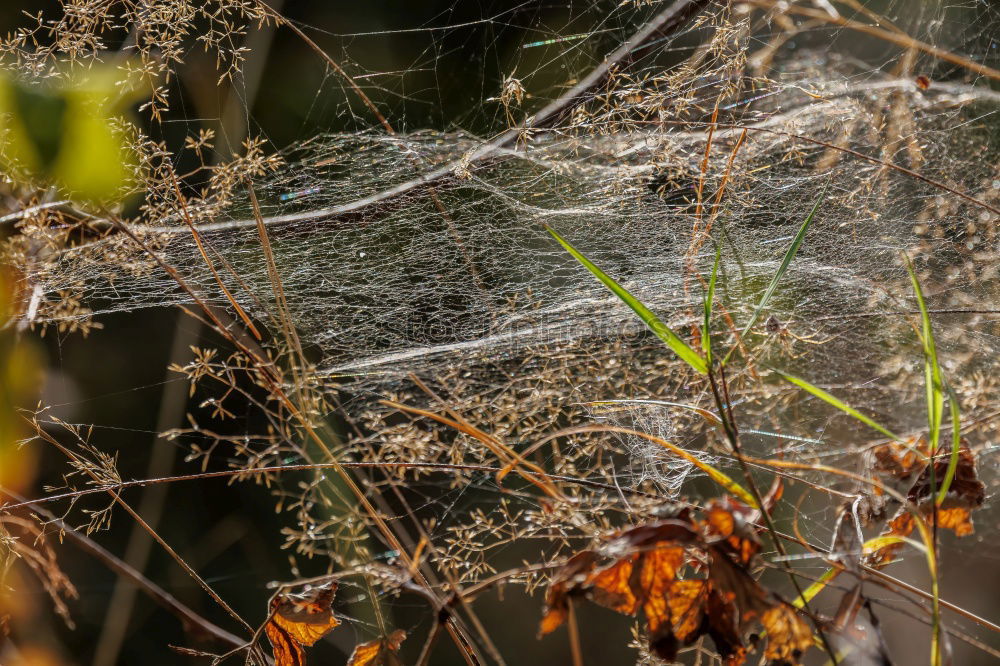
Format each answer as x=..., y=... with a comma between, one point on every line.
x=424, y=252
x=420, y=251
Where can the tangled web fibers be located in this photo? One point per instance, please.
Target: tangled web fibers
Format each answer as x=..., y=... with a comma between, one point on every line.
x=426, y=252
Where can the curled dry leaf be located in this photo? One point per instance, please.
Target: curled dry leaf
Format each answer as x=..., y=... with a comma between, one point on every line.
x=729, y=523
x=642, y=574
x=788, y=635
x=899, y=460
x=965, y=494
x=894, y=465
x=299, y=620
x=381, y=652
x=570, y=576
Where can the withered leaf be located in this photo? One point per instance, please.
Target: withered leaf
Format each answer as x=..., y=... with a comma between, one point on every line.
x=299, y=620
x=659, y=568
x=380, y=652
x=611, y=586
x=642, y=557
x=892, y=466
x=788, y=636
x=566, y=580
x=901, y=525
x=719, y=522
x=723, y=627
x=726, y=522
x=697, y=609
x=965, y=494
x=643, y=575
x=687, y=601
x=736, y=600
x=734, y=585
x=899, y=459
x=650, y=556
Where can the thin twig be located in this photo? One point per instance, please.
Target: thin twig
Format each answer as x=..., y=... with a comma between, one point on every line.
x=153, y=533
x=893, y=36
x=163, y=598
x=668, y=21
x=229, y=473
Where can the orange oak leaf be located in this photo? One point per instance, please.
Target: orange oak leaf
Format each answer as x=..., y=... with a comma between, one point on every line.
x=380, y=652
x=299, y=620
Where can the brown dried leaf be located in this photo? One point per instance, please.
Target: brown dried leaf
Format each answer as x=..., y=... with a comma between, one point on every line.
x=899, y=460
x=723, y=627
x=611, y=586
x=965, y=494
x=788, y=636
x=299, y=620
x=642, y=574
x=736, y=587
x=381, y=652
x=565, y=581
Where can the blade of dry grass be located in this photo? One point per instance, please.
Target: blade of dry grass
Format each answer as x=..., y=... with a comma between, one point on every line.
x=160, y=596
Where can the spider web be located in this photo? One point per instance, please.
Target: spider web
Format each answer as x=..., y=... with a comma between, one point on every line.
x=424, y=251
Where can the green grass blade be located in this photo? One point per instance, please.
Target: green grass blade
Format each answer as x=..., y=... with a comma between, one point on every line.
x=785, y=262
x=706, y=326
x=661, y=330
x=956, y=443
x=933, y=383
x=836, y=402
x=814, y=589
